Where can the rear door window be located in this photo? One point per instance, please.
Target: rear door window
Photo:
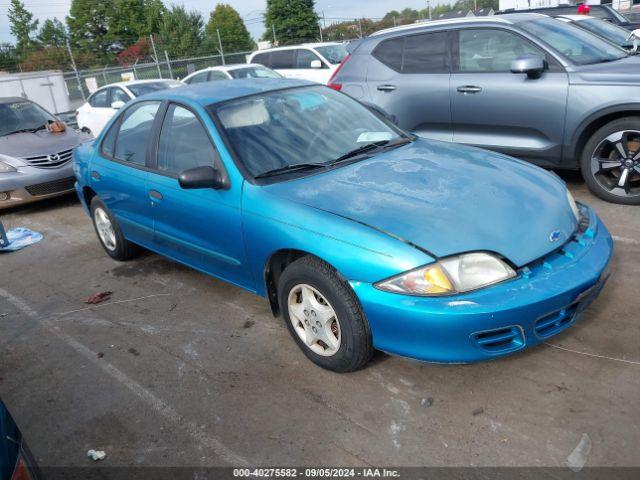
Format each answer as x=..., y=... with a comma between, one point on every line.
x=134, y=132
x=422, y=53
x=263, y=59
x=283, y=59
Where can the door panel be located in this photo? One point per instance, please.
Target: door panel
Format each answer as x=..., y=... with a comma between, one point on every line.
x=199, y=227
x=496, y=109
x=408, y=77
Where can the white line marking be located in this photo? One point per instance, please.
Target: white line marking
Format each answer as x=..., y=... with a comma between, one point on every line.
x=627, y=240
x=157, y=404
x=592, y=354
x=100, y=305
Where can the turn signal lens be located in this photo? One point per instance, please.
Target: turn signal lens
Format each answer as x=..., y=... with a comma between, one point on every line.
x=430, y=280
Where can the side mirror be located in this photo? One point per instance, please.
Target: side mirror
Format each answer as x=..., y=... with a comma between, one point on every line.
x=117, y=105
x=532, y=65
x=202, y=177
x=316, y=64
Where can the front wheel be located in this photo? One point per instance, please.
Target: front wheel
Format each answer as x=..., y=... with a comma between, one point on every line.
x=324, y=316
x=610, y=161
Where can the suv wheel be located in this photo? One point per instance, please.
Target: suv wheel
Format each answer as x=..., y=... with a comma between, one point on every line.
x=610, y=161
x=324, y=316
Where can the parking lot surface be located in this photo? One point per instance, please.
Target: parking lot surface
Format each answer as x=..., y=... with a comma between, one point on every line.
x=180, y=369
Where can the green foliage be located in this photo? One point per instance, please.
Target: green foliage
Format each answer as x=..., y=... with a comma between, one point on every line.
x=126, y=22
x=88, y=24
x=154, y=11
x=294, y=21
x=22, y=24
x=181, y=32
x=8, y=58
x=52, y=33
x=233, y=33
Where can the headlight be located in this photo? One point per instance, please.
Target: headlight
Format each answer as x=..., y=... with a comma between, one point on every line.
x=6, y=168
x=458, y=274
x=573, y=205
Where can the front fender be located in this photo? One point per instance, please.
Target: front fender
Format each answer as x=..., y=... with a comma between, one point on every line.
x=356, y=251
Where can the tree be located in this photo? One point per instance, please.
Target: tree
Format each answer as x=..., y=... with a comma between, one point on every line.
x=22, y=25
x=294, y=21
x=140, y=49
x=181, y=32
x=52, y=33
x=233, y=33
x=88, y=24
x=126, y=22
x=154, y=11
x=8, y=58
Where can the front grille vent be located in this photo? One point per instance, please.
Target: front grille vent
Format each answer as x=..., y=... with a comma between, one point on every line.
x=54, y=160
x=48, y=188
x=500, y=340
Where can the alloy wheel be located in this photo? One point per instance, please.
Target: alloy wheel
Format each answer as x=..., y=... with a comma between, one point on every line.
x=615, y=163
x=105, y=229
x=314, y=320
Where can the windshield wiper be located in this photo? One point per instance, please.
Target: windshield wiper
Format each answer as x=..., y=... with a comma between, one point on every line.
x=295, y=167
x=28, y=130
x=382, y=144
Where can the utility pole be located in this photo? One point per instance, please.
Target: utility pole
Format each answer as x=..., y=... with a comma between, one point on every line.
x=320, y=28
x=155, y=54
x=166, y=56
x=273, y=30
x=360, y=27
x=73, y=65
x=429, y=8
x=220, y=45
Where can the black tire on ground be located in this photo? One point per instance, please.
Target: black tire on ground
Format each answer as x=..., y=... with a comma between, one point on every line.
x=356, y=346
x=124, y=250
x=621, y=124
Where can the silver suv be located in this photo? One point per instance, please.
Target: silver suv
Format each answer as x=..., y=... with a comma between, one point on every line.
x=526, y=85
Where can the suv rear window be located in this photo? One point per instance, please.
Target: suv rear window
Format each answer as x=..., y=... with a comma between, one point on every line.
x=422, y=53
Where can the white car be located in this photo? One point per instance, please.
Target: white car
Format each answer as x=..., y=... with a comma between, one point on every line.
x=310, y=61
x=226, y=72
x=94, y=114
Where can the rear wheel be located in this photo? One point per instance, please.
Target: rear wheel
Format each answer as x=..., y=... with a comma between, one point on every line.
x=324, y=316
x=610, y=161
x=109, y=233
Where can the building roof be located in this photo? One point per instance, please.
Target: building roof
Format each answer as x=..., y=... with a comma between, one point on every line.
x=7, y=100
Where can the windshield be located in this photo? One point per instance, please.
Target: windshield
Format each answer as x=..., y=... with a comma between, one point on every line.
x=254, y=72
x=609, y=31
x=333, y=53
x=299, y=126
x=144, y=88
x=579, y=46
x=19, y=116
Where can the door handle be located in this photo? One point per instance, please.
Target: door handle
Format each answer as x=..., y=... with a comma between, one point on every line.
x=155, y=195
x=386, y=88
x=469, y=89
x=95, y=175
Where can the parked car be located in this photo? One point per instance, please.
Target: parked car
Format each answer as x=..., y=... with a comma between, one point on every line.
x=311, y=61
x=527, y=85
x=35, y=163
x=362, y=235
x=604, y=12
x=230, y=72
x=605, y=30
x=16, y=461
x=94, y=114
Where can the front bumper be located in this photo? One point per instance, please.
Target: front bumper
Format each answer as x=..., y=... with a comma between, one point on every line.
x=547, y=297
x=30, y=184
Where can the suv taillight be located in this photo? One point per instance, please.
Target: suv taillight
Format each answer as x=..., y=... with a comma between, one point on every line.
x=332, y=84
x=584, y=9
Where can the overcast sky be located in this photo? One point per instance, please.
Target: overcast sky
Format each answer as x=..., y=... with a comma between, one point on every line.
x=249, y=10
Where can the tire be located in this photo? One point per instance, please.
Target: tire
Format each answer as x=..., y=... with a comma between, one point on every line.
x=353, y=347
x=117, y=247
x=617, y=179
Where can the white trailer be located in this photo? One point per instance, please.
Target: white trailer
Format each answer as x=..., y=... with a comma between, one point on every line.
x=46, y=88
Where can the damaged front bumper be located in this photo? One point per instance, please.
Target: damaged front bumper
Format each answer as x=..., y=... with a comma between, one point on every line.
x=546, y=297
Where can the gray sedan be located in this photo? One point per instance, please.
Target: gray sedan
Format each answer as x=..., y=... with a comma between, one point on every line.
x=35, y=162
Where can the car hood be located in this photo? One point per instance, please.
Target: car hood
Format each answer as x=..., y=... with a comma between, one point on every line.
x=42, y=142
x=445, y=199
x=623, y=71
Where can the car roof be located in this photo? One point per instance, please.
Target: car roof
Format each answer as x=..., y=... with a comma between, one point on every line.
x=137, y=82
x=208, y=93
x=289, y=47
x=576, y=18
x=8, y=100
x=227, y=68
